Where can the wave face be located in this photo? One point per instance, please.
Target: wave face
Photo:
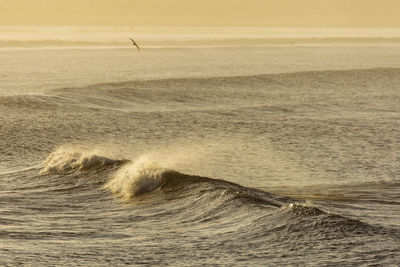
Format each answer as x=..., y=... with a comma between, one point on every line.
x=137, y=179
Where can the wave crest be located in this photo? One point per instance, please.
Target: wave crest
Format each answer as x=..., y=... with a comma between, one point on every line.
x=137, y=178
x=303, y=210
x=65, y=161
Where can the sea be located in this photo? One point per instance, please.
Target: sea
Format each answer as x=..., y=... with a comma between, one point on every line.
x=208, y=147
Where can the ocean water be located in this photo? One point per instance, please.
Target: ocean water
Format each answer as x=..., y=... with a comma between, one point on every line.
x=268, y=155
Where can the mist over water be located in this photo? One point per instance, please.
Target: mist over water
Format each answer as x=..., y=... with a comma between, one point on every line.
x=268, y=155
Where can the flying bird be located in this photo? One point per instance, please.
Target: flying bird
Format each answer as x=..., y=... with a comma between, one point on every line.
x=135, y=44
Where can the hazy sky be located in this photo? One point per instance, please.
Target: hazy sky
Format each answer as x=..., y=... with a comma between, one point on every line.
x=284, y=13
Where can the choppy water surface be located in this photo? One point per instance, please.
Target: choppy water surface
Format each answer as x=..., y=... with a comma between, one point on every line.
x=193, y=156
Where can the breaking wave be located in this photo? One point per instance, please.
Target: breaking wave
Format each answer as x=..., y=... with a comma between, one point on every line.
x=192, y=199
x=142, y=177
x=66, y=160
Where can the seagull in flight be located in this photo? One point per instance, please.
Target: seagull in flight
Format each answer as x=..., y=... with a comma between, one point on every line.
x=135, y=44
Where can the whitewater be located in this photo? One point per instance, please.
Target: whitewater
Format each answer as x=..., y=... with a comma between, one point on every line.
x=182, y=155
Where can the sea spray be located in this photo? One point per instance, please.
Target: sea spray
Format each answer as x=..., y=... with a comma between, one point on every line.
x=136, y=178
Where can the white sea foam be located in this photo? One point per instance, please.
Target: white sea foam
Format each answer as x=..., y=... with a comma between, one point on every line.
x=67, y=159
x=136, y=178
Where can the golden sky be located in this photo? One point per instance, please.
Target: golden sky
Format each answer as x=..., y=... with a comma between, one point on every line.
x=274, y=13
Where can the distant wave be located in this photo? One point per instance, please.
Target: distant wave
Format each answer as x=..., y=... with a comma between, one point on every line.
x=206, y=42
x=210, y=92
x=28, y=102
x=227, y=84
